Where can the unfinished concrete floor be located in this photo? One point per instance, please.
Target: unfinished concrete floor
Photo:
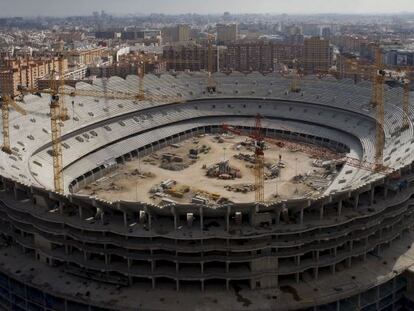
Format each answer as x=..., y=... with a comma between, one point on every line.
x=133, y=180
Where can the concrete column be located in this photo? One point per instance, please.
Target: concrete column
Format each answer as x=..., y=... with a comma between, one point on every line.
x=125, y=220
x=316, y=273
x=333, y=269
x=15, y=193
x=301, y=216
x=321, y=211
x=349, y=262
x=149, y=220
x=201, y=219
x=129, y=263
x=60, y=207
x=277, y=213
x=202, y=285
x=372, y=196
x=297, y=260
x=80, y=212
x=202, y=267
x=153, y=266
x=85, y=256
x=103, y=218
x=339, y=208
x=356, y=201
x=252, y=214
x=153, y=283
x=177, y=267
x=228, y=218
x=297, y=275
x=175, y=217
x=227, y=266
x=385, y=192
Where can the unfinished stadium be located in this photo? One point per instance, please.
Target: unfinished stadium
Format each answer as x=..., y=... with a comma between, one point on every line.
x=339, y=242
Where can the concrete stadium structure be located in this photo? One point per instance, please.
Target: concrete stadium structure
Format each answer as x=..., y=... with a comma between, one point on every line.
x=348, y=249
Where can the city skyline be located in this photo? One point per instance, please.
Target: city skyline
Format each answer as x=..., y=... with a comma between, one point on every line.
x=77, y=7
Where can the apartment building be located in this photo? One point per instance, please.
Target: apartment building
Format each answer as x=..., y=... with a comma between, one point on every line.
x=26, y=72
x=317, y=55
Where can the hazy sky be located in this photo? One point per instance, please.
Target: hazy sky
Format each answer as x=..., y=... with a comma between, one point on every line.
x=85, y=7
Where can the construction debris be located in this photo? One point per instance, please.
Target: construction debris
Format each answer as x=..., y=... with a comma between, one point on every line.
x=178, y=191
x=245, y=157
x=172, y=162
x=150, y=178
x=194, y=152
x=243, y=188
x=223, y=170
x=141, y=174
x=164, y=185
x=210, y=196
x=171, y=157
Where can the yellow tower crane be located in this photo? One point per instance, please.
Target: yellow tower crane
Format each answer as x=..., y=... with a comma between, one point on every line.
x=142, y=61
x=63, y=111
x=378, y=103
x=55, y=117
x=7, y=102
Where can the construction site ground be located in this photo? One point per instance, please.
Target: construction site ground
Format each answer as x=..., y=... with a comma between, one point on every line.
x=135, y=180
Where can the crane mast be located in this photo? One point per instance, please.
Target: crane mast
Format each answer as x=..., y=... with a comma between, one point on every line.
x=6, y=133
x=64, y=116
x=259, y=160
x=7, y=101
x=5, y=116
x=406, y=98
x=378, y=103
x=295, y=85
x=259, y=145
x=141, y=74
x=55, y=118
